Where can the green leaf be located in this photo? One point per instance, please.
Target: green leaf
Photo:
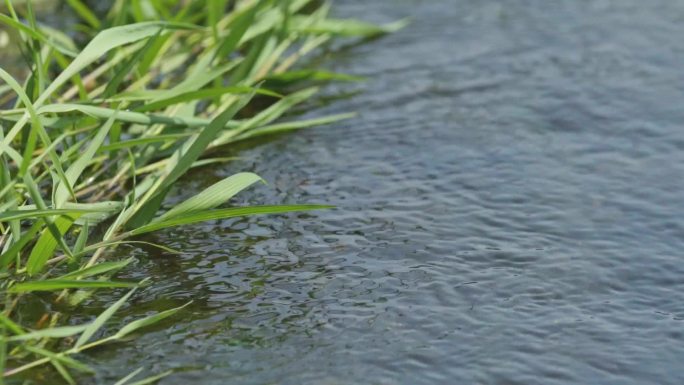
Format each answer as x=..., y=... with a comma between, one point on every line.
x=82, y=239
x=101, y=268
x=195, y=80
x=154, y=378
x=127, y=68
x=125, y=116
x=237, y=30
x=147, y=210
x=56, y=44
x=61, y=357
x=204, y=94
x=46, y=245
x=147, y=321
x=76, y=169
x=105, y=41
x=94, y=213
x=11, y=325
x=344, y=27
x=223, y=214
x=268, y=115
x=129, y=376
x=212, y=196
x=84, y=12
x=101, y=320
x=55, y=332
x=142, y=141
x=184, y=158
x=63, y=372
x=102, y=244
x=60, y=284
x=35, y=126
x=279, y=128
x=313, y=75
x=34, y=214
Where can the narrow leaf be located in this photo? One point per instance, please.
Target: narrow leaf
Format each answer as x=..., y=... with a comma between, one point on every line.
x=223, y=214
x=213, y=196
x=46, y=245
x=101, y=320
x=60, y=284
x=147, y=321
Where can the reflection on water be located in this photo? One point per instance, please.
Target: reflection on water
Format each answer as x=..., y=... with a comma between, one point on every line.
x=509, y=212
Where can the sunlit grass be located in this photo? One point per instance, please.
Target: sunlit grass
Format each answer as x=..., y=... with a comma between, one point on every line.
x=98, y=133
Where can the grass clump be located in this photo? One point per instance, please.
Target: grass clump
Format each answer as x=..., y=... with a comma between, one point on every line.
x=92, y=140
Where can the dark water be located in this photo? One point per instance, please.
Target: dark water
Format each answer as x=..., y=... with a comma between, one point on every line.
x=510, y=212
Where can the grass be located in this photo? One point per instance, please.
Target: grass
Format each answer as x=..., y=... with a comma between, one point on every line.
x=92, y=140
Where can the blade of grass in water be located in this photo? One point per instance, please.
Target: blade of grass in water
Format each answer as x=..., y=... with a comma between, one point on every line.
x=98, y=134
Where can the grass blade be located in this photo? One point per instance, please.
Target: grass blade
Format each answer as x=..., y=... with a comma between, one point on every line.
x=46, y=244
x=61, y=284
x=34, y=214
x=213, y=196
x=85, y=13
x=147, y=321
x=204, y=216
x=56, y=332
x=76, y=169
x=101, y=268
x=104, y=42
x=101, y=320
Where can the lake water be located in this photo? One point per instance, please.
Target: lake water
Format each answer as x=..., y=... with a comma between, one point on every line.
x=510, y=211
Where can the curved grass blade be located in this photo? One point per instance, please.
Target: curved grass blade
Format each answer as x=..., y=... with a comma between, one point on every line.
x=312, y=75
x=11, y=325
x=100, y=268
x=61, y=284
x=85, y=13
x=142, y=141
x=37, y=35
x=237, y=30
x=152, y=379
x=63, y=372
x=102, y=244
x=35, y=125
x=102, y=43
x=147, y=321
x=127, y=67
x=101, y=320
x=342, y=27
x=10, y=254
x=204, y=94
x=46, y=245
x=55, y=332
x=182, y=160
x=76, y=169
x=124, y=381
x=212, y=196
x=35, y=214
x=223, y=214
x=61, y=357
x=279, y=128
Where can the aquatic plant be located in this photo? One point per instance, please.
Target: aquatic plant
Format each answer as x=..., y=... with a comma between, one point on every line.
x=95, y=136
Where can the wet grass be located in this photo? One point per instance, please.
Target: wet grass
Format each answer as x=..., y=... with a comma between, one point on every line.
x=92, y=140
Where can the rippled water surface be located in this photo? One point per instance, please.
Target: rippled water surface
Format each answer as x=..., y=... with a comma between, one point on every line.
x=510, y=211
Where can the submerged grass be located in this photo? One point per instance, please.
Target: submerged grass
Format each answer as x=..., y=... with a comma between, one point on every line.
x=96, y=135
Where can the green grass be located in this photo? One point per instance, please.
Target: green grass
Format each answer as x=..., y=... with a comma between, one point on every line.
x=92, y=140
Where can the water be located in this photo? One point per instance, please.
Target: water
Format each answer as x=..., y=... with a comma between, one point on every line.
x=509, y=212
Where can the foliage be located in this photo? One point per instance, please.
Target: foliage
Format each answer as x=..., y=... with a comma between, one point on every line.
x=94, y=138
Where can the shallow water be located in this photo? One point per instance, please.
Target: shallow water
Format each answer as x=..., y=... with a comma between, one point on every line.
x=509, y=212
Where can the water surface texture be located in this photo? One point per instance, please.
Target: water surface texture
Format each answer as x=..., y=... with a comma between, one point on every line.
x=510, y=211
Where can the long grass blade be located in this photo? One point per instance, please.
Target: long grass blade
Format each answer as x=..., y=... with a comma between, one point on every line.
x=208, y=215
x=61, y=284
